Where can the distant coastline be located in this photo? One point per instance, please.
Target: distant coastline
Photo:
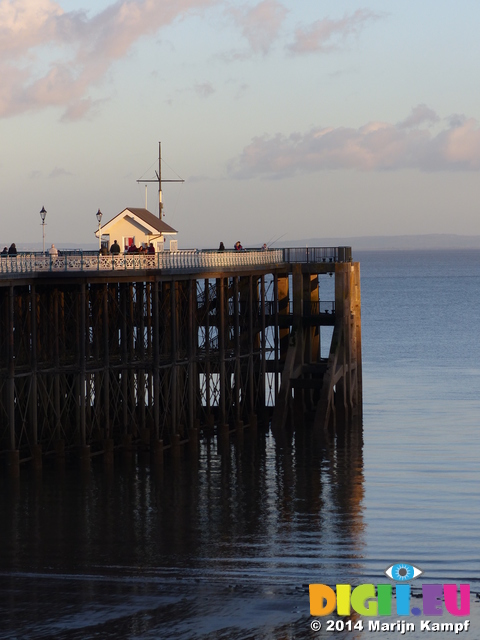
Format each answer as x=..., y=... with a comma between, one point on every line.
x=432, y=241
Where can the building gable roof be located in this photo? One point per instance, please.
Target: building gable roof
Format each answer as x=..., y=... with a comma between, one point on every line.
x=143, y=217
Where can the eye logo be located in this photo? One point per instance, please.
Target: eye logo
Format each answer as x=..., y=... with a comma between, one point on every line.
x=403, y=572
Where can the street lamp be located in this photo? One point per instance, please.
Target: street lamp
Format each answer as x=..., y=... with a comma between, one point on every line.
x=43, y=215
x=99, y=215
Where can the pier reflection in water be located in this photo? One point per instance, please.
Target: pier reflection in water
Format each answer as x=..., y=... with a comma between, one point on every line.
x=219, y=543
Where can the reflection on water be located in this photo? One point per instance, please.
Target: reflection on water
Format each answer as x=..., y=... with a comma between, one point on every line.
x=222, y=543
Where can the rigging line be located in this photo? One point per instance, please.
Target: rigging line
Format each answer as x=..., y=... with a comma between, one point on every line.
x=153, y=164
x=166, y=163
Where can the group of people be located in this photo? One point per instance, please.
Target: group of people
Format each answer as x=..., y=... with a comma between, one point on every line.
x=115, y=249
x=150, y=250
x=238, y=246
x=11, y=251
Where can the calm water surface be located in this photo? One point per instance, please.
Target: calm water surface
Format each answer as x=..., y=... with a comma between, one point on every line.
x=224, y=544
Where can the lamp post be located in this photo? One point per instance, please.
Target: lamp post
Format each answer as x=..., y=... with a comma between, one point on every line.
x=99, y=218
x=43, y=215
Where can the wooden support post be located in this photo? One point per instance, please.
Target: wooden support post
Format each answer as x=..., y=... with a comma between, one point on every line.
x=221, y=348
x=251, y=381
x=36, y=452
x=82, y=364
x=33, y=365
x=175, y=448
x=299, y=334
x=208, y=402
x=11, y=370
x=342, y=312
x=173, y=370
x=59, y=449
x=358, y=340
x=156, y=363
x=124, y=338
x=56, y=361
x=13, y=463
x=314, y=351
x=108, y=450
x=157, y=451
x=191, y=328
x=283, y=313
x=276, y=341
x=106, y=366
x=133, y=418
x=140, y=350
x=149, y=351
x=238, y=371
x=263, y=371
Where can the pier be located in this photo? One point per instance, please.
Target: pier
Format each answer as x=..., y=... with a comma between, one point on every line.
x=147, y=352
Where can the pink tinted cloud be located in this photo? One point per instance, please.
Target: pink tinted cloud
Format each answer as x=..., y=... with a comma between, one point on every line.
x=25, y=24
x=376, y=146
x=260, y=24
x=52, y=58
x=328, y=35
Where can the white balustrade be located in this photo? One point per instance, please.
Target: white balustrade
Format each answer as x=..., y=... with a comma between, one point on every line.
x=175, y=260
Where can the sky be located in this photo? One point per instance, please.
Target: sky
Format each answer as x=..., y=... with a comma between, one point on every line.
x=288, y=120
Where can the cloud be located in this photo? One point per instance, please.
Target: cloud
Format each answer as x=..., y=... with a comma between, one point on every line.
x=204, y=90
x=59, y=172
x=376, y=146
x=260, y=24
x=50, y=57
x=421, y=114
x=328, y=35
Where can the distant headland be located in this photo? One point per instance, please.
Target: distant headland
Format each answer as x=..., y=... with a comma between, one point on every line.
x=432, y=241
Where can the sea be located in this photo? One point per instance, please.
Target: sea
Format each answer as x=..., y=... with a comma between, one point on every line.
x=223, y=544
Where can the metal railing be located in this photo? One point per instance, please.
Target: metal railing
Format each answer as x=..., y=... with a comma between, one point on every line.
x=310, y=307
x=318, y=254
x=177, y=260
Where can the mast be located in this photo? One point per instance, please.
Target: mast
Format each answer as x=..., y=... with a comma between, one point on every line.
x=159, y=176
x=159, y=180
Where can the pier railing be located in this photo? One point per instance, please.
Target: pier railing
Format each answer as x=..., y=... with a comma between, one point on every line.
x=177, y=260
x=310, y=308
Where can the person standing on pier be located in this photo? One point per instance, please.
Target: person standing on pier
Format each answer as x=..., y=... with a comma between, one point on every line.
x=12, y=250
x=115, y=248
